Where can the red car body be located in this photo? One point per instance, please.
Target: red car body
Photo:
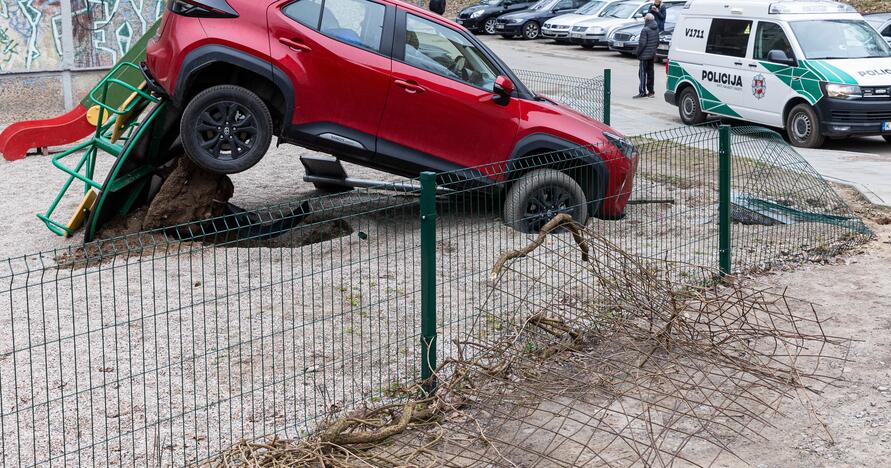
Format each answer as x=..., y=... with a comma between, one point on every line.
x=371, y=107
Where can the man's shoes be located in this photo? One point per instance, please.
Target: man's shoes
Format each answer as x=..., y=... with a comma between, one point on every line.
x=651, y=95
x=639, y=96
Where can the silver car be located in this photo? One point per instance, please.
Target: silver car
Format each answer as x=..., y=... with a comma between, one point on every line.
x=882, y=23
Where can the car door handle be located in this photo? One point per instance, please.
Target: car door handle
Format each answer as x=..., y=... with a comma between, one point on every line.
x=410, y=86
x=738, y=64
x=753, y=65
x=295, y=44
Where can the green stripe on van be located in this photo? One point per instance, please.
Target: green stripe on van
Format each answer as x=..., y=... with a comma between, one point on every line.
x=833, y=73
x=804, y=80
x=710, y=103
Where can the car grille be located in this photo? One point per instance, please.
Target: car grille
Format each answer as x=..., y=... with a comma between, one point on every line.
x=579, y=28
x=861, y=116
x=622, y=37
x=876, y=92
x=559, y=27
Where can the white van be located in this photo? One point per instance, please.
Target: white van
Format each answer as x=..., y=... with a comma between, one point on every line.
x=815, y=68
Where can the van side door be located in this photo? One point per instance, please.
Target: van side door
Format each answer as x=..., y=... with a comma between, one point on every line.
x=724, y=71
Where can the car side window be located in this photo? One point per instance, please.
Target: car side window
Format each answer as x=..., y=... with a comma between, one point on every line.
x=356, y=22
x=770, y=36
x=440, y=50
x=643, y=11
x=564, y=5
x=729, y=37
x=887, y=31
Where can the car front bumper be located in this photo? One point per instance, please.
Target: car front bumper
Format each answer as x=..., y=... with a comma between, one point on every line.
x=588, y=39
x=473, y=24
x=509, y=28
x=624, y=47
x=861, y=117
x=559, y=34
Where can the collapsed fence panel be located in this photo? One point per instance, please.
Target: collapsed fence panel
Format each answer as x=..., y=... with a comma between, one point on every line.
x=166, y=347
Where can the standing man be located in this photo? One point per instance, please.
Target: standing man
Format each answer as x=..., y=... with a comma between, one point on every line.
x=437, y=6
x=646, y=54
x=658, y=11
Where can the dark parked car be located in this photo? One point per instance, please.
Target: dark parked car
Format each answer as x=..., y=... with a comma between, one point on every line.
x=671, y=19
x=480, y=18
x=527, y=23
x=625, y=40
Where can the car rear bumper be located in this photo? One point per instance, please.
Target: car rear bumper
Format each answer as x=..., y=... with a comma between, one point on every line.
x=671, y=98
x=844, y=118
x=588, y=39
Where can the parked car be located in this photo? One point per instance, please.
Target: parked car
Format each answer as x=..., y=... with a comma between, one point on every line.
x=558, y=28
x=882, y=23
x=595, y=31
x=671, y=20
x=383, y=84
x=480, y=18
x=527, y=23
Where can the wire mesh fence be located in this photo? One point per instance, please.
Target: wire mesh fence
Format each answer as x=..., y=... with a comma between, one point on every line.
x=167, y=347
x=589, y=96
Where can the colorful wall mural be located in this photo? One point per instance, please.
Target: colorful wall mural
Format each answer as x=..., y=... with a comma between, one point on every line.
x=103, y=30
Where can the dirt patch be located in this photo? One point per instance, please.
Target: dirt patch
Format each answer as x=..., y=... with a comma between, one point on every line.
x=189, y=193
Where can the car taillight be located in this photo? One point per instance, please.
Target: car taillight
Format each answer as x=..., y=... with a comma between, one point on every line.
x=666, y=66
x=203, y=8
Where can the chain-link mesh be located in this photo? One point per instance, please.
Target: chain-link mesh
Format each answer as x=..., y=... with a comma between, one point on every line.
x=166, y=347
x=585, y=95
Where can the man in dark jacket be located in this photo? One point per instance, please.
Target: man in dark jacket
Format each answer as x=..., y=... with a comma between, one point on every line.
x=438, y=6
x=658, y=11
x=646, y=54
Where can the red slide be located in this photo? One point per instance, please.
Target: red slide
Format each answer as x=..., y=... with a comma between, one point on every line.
x=20, y=137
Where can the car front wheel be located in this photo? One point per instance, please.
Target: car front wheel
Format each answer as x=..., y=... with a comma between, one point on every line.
x=803, y=127
x=690, y=108
x=226, y=129
x=489, y=26
x=540, y=195
x=531, y=30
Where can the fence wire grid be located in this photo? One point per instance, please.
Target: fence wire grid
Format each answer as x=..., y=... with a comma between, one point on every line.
x=167, y=347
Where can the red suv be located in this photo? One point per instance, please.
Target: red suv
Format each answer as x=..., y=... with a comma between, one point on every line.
x=379, y=83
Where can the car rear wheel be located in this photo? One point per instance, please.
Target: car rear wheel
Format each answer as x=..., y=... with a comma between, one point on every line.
x=531, y=30
x=803, y=127
x=489, y=26
x=690, y=108
x=226, y=129
x=540, y=195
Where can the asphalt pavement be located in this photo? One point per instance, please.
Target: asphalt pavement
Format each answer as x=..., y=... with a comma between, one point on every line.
x=864, y=163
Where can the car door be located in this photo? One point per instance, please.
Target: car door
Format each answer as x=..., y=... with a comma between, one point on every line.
x=337, y=55
x=440, y=112
x=772, y=84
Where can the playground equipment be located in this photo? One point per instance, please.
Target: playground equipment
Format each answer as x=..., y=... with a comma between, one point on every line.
x=137, y=134
x=21, y=137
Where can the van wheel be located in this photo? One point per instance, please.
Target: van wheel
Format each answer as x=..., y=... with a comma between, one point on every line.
x=226, y=129
x=803, y=127
x=539, y=195
x=690, y=108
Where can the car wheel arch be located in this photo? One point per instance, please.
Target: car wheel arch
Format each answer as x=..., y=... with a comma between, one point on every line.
x=681, y=87
x=523, y=159
x=203, y=59
x=791, y=105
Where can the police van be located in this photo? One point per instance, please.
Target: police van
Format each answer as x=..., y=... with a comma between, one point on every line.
x=815, y=68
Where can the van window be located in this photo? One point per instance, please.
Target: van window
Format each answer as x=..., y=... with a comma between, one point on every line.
x=770, y=36
x=729, y=37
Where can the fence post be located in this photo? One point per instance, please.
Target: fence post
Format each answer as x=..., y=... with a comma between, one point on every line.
x=428, y=280
x=607, y=93
x=724, y=185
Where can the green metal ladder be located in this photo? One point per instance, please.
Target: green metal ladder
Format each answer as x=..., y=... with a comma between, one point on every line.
x=123, y=126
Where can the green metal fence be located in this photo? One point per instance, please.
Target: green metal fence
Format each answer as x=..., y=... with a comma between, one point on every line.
x=590, y=96
x=166, y=347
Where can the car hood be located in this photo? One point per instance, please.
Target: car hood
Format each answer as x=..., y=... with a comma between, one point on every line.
x=865, y=72
x=569, y=20
x=523, y=15
x=633, y=29
x=474, y=8
x=609, y=23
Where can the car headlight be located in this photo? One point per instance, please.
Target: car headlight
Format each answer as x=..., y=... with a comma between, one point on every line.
x=516, y=20
x=548, y=25
x=477, y=14
x=843, y=91
x=634, y=38
x=666, y=38
x=623, y=144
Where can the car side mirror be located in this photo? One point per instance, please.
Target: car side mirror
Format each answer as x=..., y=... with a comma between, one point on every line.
x=779, y=56
x=503, y=89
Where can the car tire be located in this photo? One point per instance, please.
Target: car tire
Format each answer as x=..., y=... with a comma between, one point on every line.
x=489, y=26
x=803, y=127
x=690, y=108
x=539, y=195
x=531, y=30
x=243, y=130
x=887, y=138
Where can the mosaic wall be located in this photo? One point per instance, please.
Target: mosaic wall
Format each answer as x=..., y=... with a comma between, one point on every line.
x=31, y=32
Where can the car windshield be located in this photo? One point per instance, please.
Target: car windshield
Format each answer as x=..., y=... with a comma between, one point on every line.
x=621, y=10
x=544, y=5
x=839, y=39
x=590, y=8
